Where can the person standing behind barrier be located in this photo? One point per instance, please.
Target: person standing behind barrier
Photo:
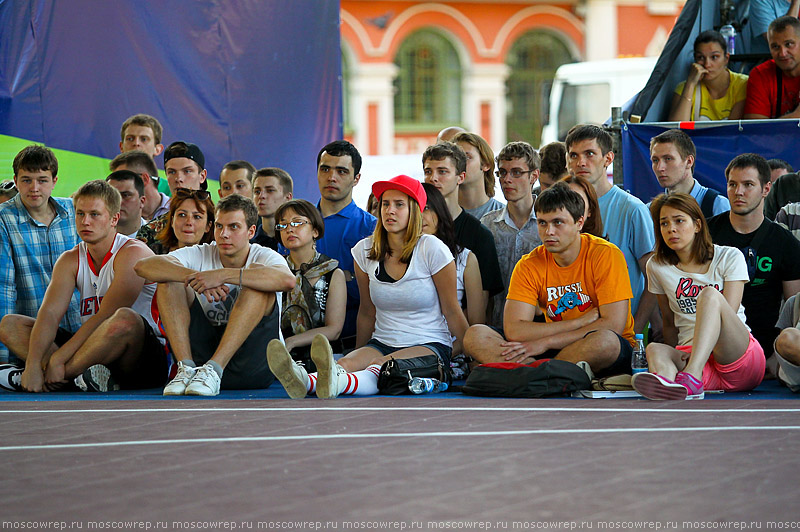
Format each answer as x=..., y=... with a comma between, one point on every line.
x=476, y=193
x=699, y=285
x=762, y=12
x=773, y=90
x=712, y=91
x=408, y=307
x=625, y=217
x=771, y=252
x=35, y=229
x=272, y=187
x=338, y=171
x=444, y=165
x=514, y=226
x=673, y=155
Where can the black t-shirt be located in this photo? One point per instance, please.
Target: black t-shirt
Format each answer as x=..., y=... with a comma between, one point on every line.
x=263, y=239
x=478, y=239
x=777, y=260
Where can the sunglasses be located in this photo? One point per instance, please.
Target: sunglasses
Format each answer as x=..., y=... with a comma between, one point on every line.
x=201, y=195
x=7, y=186
x=295, y=224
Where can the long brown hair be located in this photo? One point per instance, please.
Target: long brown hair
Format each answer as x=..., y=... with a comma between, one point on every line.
x=702, y=246
x=380, y=240
x=167, y=235
x=593, y=224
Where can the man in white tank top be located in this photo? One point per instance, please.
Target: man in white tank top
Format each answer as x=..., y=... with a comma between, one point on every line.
x=220, y=304
x=118, y=342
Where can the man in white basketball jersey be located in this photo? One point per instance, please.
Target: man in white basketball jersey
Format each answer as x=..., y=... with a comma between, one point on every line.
x=118, y=343
x=220, y=303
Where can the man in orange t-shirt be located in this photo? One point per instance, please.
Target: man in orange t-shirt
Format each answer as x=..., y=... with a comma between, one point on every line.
x=580, y=283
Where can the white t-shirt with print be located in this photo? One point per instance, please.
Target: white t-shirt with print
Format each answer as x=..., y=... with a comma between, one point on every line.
x=407, y=312
x=204, y=257
x=682, y=288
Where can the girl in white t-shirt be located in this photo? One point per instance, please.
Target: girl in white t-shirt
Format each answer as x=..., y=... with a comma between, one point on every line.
x=407, y=283
x=699, y=288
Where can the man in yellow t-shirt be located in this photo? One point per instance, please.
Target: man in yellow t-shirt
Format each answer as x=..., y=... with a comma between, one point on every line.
x=579, y=282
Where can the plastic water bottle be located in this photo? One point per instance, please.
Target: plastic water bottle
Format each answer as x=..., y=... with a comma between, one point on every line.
x=638, y=359
x=419, y=385
x=728, y=32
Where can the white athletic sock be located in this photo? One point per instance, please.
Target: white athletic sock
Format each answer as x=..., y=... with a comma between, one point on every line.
x=364, y=382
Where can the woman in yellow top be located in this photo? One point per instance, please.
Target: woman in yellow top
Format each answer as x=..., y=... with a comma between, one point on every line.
x=712, y=92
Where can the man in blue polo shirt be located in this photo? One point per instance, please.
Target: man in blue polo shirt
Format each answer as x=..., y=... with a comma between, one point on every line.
x=338, y=171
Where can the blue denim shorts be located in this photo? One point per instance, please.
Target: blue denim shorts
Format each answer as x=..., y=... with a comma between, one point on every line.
x=440, y=350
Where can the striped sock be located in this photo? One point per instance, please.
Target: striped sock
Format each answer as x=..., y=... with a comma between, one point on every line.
x=364, y=382
x=312, y=382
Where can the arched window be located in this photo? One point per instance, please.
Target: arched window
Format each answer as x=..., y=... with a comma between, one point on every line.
x=428, y=83
x=533, y=59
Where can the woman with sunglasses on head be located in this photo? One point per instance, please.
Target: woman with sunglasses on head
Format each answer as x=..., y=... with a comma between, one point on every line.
x=699, y=287
x=409, y=309
x=712, y=91
x=317, y=303
x=190, y=221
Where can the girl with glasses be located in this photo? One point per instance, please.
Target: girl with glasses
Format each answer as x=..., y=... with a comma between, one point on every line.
x=317, y=303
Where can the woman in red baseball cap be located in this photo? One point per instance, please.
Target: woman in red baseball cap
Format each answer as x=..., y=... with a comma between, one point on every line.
x=407, y=282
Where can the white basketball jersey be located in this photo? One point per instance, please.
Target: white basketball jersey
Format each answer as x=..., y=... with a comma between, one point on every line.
x=93, y=285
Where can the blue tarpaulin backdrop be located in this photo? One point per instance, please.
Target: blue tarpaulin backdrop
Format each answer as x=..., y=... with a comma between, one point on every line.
x=717, y=143
x=244, y=79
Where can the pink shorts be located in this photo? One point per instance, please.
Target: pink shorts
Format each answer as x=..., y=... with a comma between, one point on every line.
x=739, y=376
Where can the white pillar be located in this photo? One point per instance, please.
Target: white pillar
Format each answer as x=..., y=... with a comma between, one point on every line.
x=371, y=84
x=486, y=84
x=601, y=29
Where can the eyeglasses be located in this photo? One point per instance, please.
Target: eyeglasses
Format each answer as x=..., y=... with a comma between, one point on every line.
x=201, y=195
x=515, y=173
x=7, y=186
x=294, y=223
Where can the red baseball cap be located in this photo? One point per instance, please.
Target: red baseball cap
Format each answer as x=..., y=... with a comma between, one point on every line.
x=406, y=185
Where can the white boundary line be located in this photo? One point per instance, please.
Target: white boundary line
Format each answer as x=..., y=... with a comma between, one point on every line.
x=399, y=408
x=389, y=435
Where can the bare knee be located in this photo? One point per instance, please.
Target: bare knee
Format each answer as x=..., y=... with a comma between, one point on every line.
x=11, y=324
x=788, y=345
x=604, y=342
x=478, y=338
x=710, y=297
x=123, y=323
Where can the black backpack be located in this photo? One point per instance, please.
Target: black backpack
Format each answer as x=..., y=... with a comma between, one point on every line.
x=542, y=378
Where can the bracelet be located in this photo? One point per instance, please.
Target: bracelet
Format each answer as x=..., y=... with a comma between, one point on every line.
x=241, y=270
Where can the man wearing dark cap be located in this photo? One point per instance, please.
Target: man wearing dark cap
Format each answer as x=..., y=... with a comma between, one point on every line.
x=131, y=189
x=184, y=164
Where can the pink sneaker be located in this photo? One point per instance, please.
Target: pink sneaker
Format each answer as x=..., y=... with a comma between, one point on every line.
x=658, y=388
x=694, y=386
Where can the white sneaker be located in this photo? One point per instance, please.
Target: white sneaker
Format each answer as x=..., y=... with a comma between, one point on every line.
x=177, y=386
x=291, y=375
x=329, y=373
x=10, y=375
x=205, y=382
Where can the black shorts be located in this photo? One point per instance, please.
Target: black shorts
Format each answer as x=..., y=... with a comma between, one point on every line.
x=248, y=368
x=152, y=365
x=622, y=365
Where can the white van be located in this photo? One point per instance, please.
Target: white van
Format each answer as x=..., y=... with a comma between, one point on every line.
x=586, y=92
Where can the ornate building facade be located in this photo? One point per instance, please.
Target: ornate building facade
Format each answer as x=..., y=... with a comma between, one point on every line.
x=412, y=68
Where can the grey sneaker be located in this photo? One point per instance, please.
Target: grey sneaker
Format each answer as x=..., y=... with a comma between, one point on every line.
x=291, y=375
x=329, y=373
x=177, y=386
x=205, y=382
x=96, y=378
